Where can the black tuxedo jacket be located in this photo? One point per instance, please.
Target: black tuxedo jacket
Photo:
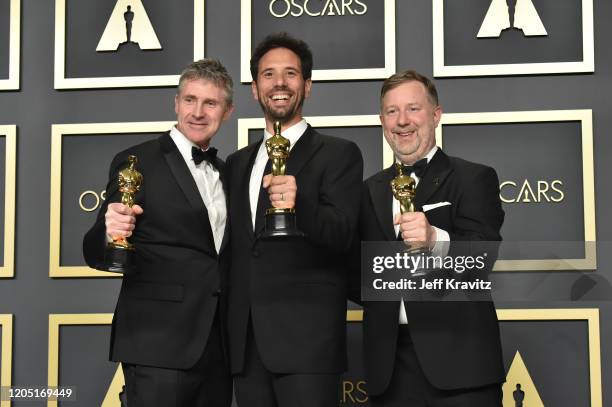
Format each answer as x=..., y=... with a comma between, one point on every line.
x=295, y=290
x=167, y=306
x=457, y=343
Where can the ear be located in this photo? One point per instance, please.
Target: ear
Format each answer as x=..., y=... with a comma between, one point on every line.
x=228, y=112
x=176, y=103
x=437, y=115
x=254, y=90
x=307, y=86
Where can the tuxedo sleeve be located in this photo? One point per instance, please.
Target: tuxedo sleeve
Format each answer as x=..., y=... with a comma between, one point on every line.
x=353, y=260
x=329, y=219
x=94, y=241
x=479, y=214
x=476, y=228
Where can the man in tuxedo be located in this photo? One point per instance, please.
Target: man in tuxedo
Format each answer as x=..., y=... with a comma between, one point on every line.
x=287, y=304
x=168, y=324
x=430, y=354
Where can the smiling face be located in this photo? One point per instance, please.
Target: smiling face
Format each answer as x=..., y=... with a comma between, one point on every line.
x=280, y=87
x=200, y=108
x=409, y=120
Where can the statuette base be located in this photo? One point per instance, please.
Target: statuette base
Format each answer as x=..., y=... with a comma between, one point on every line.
x=280, y=223
x=117, y=259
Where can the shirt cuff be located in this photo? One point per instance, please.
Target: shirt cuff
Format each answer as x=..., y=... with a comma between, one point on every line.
x=442, y=242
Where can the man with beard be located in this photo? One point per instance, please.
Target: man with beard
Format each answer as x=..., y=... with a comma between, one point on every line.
x=430, y=353
x=287, y=306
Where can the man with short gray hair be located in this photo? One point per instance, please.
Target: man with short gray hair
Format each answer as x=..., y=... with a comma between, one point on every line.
x=168, y=324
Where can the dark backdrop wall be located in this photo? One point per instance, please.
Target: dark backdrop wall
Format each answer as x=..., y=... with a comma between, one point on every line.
x=560, y=351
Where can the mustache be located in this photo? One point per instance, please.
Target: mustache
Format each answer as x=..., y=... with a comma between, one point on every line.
x=281, y=88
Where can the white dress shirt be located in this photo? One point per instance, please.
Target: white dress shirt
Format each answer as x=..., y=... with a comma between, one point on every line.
x=293, y=133
x=442, y=236
x=206, y=177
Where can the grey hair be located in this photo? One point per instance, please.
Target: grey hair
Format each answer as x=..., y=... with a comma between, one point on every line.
x=209, y=69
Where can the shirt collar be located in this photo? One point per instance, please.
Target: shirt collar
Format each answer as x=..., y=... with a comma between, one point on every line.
x=293, y=133
x=429, y=155
x=183, y=144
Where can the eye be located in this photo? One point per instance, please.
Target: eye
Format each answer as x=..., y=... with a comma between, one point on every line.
x=389, y=112
x=267, y=74
x=211, y=103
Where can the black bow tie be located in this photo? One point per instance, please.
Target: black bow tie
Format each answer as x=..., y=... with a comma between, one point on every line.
x=418, y=168
x=198, y=155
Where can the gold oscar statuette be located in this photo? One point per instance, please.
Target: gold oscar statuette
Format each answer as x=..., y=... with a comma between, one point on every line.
x=403, y=187
x=279, y=222
x=118, y=254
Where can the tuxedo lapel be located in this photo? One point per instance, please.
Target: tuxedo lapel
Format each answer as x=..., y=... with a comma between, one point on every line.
x=382, y=200
x=303, y=150
x=220, y=165
x=244, y=170
x=435, y=175
x=185, y=181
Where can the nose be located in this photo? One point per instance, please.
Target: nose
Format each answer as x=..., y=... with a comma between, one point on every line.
x=403, y=118
x=280, y=81
x=199, y=110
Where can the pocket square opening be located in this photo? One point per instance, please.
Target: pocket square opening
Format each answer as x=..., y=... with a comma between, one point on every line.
x=429, y=207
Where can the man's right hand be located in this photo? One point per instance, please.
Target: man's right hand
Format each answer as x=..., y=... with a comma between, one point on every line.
x=121, y=220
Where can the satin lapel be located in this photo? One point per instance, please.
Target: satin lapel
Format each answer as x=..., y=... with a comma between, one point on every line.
x=437, y=171
x=382, y=200
x=244, y=169
x=185, y=181
x=222, y=176
x=304, y=149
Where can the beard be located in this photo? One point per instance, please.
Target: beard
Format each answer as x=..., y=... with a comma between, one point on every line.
x=283, y=115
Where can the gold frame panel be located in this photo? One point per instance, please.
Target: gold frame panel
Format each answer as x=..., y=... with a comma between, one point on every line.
x=244, y=125
x=324, y=74
x=590, y=315
x=6, y=322
x=61, y=82
x=57, y=132
x=585, y=117
x=7, y=270
x=441, y=70
x=55, y=322
x=12, y=82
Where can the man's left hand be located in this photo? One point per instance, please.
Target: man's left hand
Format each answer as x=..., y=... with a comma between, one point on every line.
x=415, y=229
x=282, y=190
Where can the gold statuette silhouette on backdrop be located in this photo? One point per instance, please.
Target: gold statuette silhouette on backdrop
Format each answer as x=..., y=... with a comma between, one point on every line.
x=128, y=24
x=504, y=14
x=519, y=389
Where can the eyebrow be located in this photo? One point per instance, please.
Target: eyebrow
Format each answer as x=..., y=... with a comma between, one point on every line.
x=286, y=68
